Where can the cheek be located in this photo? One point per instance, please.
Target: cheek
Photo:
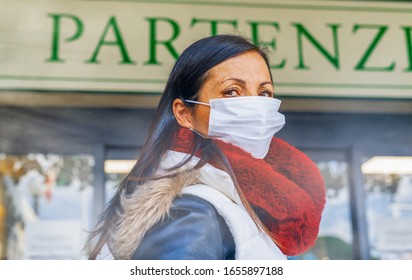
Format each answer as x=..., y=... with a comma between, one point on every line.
x=201, y=119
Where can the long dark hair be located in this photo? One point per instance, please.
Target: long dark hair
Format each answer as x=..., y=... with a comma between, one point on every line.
x=185, y=80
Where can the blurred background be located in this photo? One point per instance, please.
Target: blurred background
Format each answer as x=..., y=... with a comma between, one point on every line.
x=80, y=80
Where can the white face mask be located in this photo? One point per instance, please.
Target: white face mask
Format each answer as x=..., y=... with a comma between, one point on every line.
x=248, y=122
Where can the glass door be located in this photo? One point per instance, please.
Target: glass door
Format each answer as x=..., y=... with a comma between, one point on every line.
x=388, y=188
x=118, y=162
x=45, y=206
x=335, y=239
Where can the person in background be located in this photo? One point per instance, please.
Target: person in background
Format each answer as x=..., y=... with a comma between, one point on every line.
x=212, y=181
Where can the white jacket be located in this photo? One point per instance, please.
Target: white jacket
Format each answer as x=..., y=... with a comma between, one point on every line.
x=218, y=189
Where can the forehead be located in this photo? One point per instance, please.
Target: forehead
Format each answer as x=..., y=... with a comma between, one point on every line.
x=246, y=66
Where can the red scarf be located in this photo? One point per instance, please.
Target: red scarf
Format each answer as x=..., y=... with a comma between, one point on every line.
x=285, y=189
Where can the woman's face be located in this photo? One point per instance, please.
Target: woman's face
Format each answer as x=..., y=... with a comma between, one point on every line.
x=243, y=75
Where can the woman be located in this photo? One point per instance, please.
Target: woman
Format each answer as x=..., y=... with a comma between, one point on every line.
x=212, y=182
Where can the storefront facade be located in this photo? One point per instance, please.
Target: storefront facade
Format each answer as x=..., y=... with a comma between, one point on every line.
x=85, y=90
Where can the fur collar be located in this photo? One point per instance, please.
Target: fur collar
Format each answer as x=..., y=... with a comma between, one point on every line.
x=149, y=204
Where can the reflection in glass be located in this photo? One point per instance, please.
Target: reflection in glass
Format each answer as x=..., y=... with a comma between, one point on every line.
x=335, y=239
x=389, y=214
x=47, y=200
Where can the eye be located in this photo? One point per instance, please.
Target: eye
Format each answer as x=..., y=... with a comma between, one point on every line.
x=231, y=92
x=266, y=93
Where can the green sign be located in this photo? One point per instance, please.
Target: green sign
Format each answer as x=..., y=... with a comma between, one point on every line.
x=317, y=48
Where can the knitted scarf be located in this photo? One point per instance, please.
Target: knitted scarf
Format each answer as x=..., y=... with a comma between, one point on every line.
x=285, y=189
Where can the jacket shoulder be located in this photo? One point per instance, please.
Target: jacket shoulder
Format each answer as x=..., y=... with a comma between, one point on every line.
x=192, y=230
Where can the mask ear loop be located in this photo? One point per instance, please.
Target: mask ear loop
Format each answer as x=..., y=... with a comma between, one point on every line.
x=197, y=102
x=204, y=136
x=192, y=129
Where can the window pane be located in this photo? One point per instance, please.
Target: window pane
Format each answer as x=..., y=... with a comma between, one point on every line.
x=335, y=240
x=118, y=163
x=389, y=212
x=47, y=201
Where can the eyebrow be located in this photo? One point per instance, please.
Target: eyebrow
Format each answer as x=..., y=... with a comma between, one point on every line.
x=240, y=81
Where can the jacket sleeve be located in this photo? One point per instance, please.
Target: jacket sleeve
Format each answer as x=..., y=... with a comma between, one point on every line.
x=193, y=231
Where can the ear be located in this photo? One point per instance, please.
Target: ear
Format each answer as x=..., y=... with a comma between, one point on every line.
x=182, y=113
